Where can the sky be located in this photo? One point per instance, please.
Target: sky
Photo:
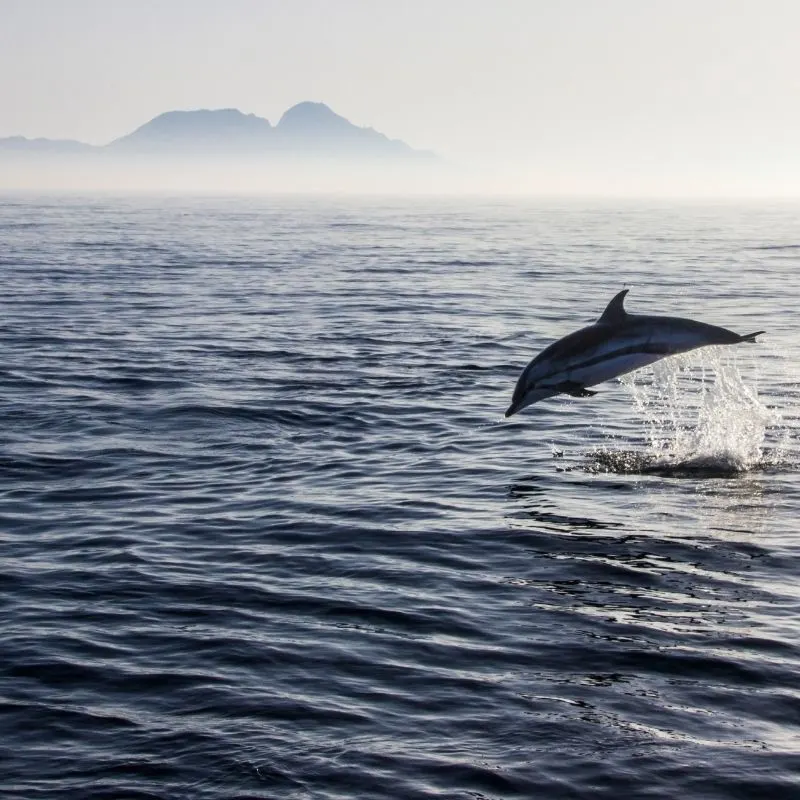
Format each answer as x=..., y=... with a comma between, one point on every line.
x=652, y=96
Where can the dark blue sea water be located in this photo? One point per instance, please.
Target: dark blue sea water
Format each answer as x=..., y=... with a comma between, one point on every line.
x=266, y=534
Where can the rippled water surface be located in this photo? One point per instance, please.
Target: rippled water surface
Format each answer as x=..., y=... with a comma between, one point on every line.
x=266, y=534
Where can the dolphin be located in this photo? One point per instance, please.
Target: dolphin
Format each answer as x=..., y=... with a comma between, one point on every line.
x=617, y=343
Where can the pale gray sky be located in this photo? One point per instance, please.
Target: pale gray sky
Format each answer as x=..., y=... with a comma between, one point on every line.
x=577, y=92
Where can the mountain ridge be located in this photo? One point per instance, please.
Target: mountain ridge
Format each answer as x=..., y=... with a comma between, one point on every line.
x=308, y=129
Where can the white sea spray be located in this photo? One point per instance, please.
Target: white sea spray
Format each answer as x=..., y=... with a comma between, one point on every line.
x=700, y=411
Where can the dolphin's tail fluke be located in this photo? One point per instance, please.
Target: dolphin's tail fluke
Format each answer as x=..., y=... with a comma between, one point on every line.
x=750, y=337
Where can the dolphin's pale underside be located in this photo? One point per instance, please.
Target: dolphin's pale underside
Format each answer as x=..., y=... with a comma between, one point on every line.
x=617, y=343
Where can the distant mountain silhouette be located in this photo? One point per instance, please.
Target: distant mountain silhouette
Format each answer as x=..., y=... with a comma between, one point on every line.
x=21, y=145
x=307, y=130
x=197, y=130
x=313, y=127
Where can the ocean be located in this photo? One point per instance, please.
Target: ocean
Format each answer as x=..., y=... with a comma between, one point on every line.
x=266, y=533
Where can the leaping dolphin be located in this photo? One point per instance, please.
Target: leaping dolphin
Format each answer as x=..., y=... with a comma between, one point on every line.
x=617, y=343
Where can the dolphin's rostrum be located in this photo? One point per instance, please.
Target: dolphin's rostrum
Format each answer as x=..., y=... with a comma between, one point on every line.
x=617, y=343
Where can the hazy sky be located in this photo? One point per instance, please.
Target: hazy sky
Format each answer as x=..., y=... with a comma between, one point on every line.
x=650, y=92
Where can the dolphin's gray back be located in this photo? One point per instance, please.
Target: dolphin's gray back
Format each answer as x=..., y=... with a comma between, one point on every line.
x=678, y=330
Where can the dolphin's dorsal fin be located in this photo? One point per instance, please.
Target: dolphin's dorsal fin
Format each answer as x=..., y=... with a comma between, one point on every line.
x=615, y=312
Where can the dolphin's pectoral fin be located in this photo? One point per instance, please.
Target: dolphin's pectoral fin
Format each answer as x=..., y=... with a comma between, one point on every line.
x=574, y=389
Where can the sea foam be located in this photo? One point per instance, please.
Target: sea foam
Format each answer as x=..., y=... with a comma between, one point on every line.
x=699, y=411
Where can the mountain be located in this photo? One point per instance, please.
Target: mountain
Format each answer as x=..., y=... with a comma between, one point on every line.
x=313, y=127
x=21, y=146
x=310, y=149
x=204, y=130
x=307, y=130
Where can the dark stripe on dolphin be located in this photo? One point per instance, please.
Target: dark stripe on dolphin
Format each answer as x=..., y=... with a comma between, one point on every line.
x=655, y=349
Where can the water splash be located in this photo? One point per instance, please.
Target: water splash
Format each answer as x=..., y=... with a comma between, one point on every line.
x=699, y=417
